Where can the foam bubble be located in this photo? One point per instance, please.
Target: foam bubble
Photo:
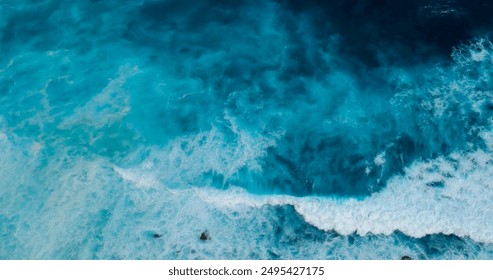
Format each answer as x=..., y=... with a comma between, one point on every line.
x=380, y=159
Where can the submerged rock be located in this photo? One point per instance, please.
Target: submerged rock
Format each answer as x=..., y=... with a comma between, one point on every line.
x=205, y=236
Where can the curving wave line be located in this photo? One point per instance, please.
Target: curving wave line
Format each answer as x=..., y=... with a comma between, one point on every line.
x=450, y=195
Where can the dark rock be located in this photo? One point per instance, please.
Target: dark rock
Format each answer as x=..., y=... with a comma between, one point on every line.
x=406, y=258
x=205, y=236
x=436, y=184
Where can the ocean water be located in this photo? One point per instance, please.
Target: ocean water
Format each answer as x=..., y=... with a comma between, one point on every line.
x=345, y=129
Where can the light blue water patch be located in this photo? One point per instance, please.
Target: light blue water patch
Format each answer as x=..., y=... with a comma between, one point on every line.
x=119, y=121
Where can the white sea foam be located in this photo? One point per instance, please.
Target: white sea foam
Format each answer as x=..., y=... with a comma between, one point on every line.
x=410, y=203
x=450, y=195
x=189, y=157
x=109, y=105
x=380, y=159
x=77, y=191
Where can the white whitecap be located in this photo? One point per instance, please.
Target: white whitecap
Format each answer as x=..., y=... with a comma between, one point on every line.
x=410, y=203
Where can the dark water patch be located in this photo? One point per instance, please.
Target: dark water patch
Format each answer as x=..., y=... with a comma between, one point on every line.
x=406, y=31
x=449, y=246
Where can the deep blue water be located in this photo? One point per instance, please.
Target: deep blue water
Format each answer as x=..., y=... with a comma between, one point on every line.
x=346, y=129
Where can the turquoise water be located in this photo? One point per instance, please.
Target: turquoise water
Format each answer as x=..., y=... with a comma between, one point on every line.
x=286, y=130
